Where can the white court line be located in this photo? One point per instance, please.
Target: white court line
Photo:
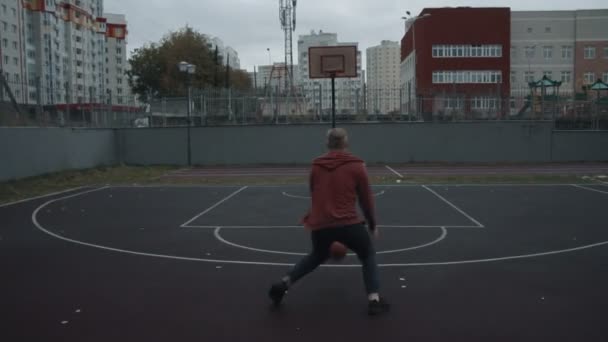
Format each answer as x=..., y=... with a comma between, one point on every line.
x=302, y=227
x=39, y=197
x=196, y=186
x=393, y=171
x=241, y=262
x=217, y=235
x=286, y=194
x=455, y=207
x=590, y=189
x=185, y=225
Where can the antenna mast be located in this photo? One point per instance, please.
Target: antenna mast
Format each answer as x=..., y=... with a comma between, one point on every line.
x=287, y=15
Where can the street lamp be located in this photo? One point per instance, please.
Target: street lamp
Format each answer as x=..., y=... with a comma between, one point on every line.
x=269, y=57
x=414, y=20
x=189, y=70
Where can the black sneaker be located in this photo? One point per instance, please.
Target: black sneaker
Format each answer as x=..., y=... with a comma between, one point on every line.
x=277, y=291
x=376, y=307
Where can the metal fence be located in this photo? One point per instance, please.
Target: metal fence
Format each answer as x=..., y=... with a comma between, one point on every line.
x=267, y=106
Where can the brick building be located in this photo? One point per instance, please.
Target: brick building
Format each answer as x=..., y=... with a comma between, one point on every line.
x=456, y=61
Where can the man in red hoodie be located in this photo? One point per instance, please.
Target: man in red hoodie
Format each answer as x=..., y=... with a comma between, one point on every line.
x=337, y=180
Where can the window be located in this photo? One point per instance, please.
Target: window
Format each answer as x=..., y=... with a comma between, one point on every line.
x=5, y=25
x=6, y=60
x=119, y=51
x=589, y=78
x=466, y=77
x=529, y=30
x=529, y=76
x=119, y=91
x=14, y=28
x=606, y=52
x=566, y=52
x=15, y=61
x=589, y=52
x=14, y=12
x=530, y=51
x=513, y=77
x=566, y=77
x=547, y=29
x=15, y=45
x=453, y=103
x=119, y=80
x=118, y=60
x=513, y=52
x=484, y=103
x=459, y=51
x=548, y=52
x=3, y=9
x=5, y=43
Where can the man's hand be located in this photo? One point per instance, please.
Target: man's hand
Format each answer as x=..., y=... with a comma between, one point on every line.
x=375, y=233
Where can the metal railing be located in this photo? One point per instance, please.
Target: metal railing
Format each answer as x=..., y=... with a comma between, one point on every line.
x=211, y=107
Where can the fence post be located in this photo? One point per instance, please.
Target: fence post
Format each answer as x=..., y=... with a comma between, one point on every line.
x=243, y=113
x=320, y=102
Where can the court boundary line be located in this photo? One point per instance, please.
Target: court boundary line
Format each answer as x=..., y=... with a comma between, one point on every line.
x=185, y=225
x=479, y=225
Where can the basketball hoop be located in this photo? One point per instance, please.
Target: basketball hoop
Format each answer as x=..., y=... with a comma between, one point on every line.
x=332, y=62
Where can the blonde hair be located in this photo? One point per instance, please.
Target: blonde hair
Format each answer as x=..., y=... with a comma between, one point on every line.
x=337, y=139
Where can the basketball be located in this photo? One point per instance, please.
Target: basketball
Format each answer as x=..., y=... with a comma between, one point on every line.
x=337, y=251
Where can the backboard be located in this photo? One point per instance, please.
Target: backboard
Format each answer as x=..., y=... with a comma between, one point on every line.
x=339, y=61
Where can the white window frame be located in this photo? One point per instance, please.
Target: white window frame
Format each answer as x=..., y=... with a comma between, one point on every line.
x=589, y=52
x=484, y=103
x=566, y=76
x=467, y=51
x=530, y=52
x=566, y=52
x=548, y=52
x=589, y=77
x=453, y=103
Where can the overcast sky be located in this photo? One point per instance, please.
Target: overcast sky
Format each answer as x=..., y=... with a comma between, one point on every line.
x=252, y=26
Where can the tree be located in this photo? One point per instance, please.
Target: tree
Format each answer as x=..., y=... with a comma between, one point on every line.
x=154, y=72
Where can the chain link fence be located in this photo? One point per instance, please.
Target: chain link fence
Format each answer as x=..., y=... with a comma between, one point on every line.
x=212, y=107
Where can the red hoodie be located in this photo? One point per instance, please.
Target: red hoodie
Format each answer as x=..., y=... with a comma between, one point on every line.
x=337, y=179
